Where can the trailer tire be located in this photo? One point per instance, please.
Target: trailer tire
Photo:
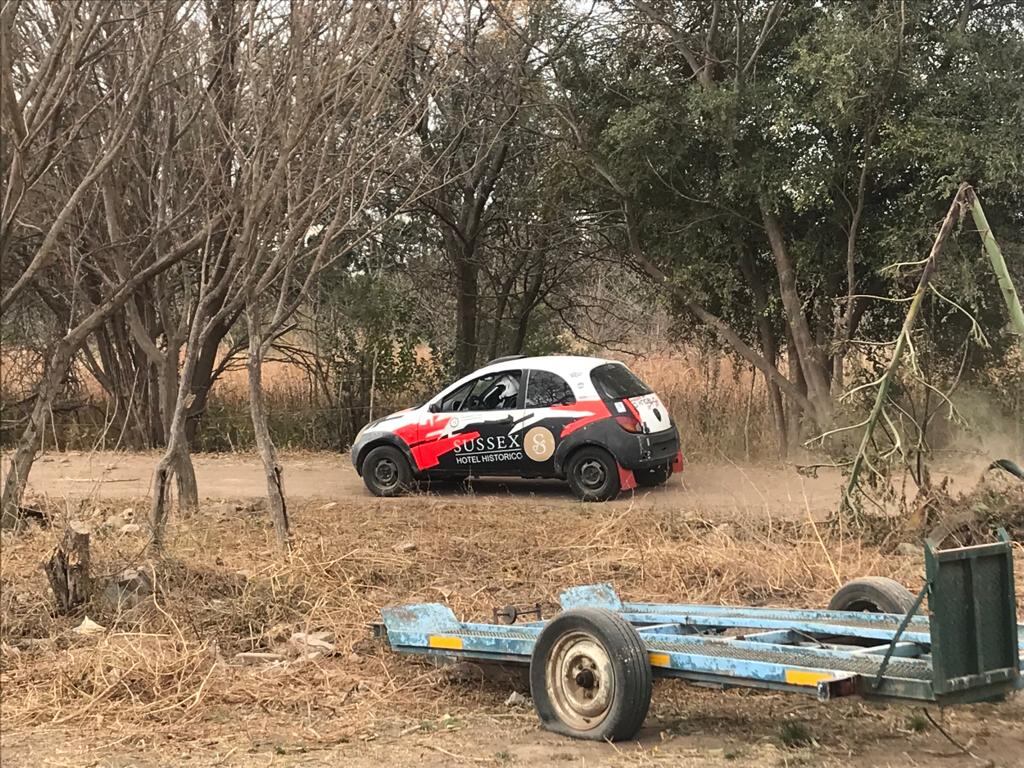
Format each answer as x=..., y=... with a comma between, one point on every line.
x=590, y=677
x=873, y=594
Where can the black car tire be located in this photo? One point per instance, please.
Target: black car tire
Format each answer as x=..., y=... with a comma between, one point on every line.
x=593, y=474
x=386, y=472
x=590, y=677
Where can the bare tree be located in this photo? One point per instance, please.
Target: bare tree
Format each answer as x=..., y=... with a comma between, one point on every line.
x=75, y=87
x=467, y=141
x=324, y=138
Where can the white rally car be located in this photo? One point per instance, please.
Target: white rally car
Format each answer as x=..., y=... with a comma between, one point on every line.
x=589, y=421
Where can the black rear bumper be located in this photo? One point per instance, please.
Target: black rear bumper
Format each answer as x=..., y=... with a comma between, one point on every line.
x=643, y=451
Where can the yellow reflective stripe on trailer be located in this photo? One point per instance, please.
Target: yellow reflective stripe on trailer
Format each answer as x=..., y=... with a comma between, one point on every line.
x=445, y=641
x=806, y=677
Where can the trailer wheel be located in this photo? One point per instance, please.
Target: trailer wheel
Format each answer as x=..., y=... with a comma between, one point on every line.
x=873, y=594
x=590, y=677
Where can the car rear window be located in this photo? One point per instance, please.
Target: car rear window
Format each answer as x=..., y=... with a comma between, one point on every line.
x=616, y=382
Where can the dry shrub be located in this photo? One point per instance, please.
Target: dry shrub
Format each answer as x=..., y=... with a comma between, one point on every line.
x=19, y=368
x=971, y=517
x=172, y=662
x=150, y=674
x=719, y=405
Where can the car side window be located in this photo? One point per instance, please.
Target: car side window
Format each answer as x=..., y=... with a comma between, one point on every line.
x=544, y=389
x=454, y=400
x=493, y=392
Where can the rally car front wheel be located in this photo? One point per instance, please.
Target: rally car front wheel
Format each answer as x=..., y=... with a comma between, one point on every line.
x=593, y=474
x=386, y=472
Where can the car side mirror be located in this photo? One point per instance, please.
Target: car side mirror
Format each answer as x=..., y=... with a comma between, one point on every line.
x=434, y=407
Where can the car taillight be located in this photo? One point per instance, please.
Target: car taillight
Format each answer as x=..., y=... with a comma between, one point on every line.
x=629, y=423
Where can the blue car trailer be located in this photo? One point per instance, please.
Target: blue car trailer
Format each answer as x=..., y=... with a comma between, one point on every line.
x=591, y=666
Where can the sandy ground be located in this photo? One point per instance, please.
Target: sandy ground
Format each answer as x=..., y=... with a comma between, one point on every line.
x=745, y=737
x=710, y=488
x=714, y=489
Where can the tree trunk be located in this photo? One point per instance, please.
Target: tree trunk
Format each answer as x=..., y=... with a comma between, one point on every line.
x=526, y=307
x=176, y=462
x=803, y=341
x=185, y=476
x=158, y=435
x=778, y=416
x=264, y=443
x=181, y=465
x=502, y=293
x=160, y=502
x=466, y=280
x=796, y=374
x=175, y=457
x=522, y=326
x=28, y=444
x=771, y=351
x=769, y=346
x=203, y=379
x=68, y=570
x=18, y=471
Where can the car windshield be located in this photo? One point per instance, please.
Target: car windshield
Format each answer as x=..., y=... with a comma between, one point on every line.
x=615, y=381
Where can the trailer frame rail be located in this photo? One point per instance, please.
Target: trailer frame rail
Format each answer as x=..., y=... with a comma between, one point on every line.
x=968, y=648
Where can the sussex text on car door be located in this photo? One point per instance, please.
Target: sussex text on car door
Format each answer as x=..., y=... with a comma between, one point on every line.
x=470, y=431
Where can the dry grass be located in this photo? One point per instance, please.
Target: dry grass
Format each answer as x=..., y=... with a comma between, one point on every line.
x=171, y=665
x=721, y=406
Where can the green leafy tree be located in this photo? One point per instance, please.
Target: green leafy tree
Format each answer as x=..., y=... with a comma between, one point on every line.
x=767, y=159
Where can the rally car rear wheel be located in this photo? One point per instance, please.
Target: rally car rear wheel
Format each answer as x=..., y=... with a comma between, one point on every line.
x=593, y=474
x=386, y=471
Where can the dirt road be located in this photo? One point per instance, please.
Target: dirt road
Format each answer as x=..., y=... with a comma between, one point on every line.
x=711, y=488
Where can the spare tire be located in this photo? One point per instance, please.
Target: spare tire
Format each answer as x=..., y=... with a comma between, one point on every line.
x=873, y=594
